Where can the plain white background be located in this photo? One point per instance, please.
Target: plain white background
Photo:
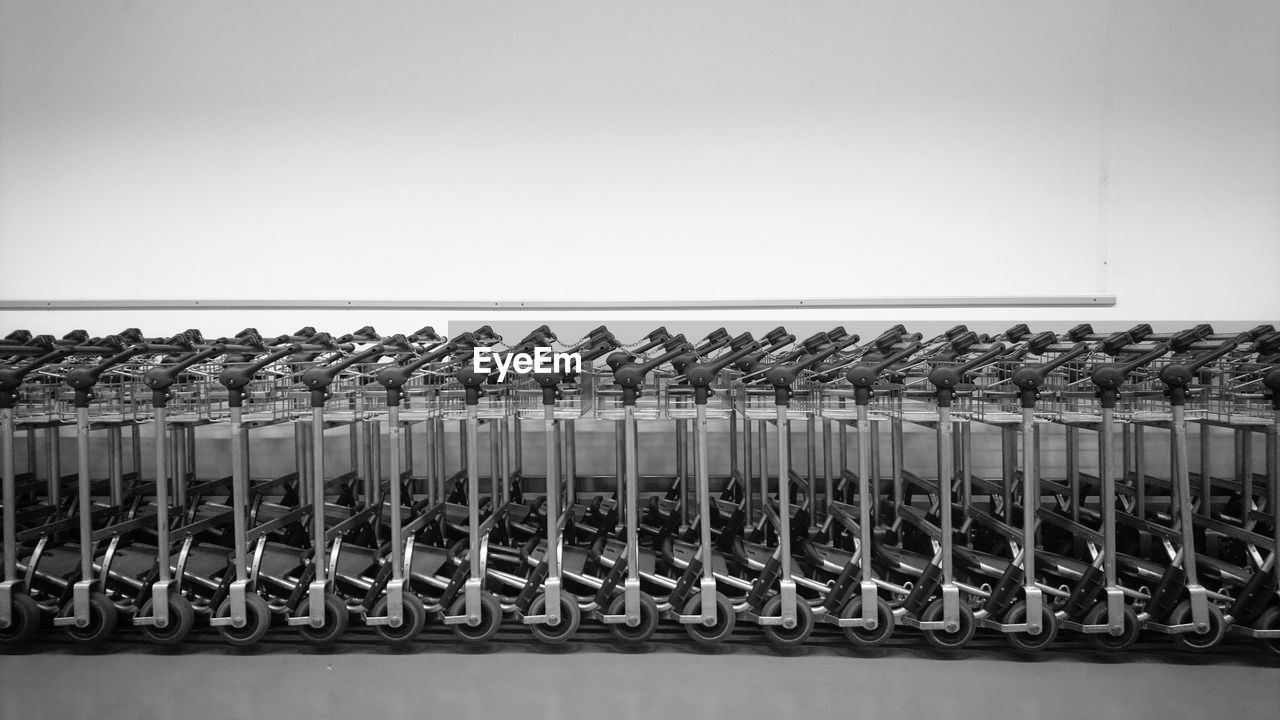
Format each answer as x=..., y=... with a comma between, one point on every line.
x=575, y=150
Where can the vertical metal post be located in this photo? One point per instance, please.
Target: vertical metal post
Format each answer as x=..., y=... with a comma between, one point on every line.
x=786, y=583
x=875, y=469
x=682, y=473
x=764, y=464
x=631, y=586
x=1139, y=451
x=1182, y=490
x=748, y=465
x=10, y=500
x=160, y=597
x=571, y=463
x=114, y=462
x=1030, y=505
x=829, y=481
x=946, y=475
x=552, y=583
x=1107, y=499
x=897, y=452
x=811, y=463
x=53, y=440
x=1206, y=471
x=708, y=585
x=395, y=589
x=505, y=458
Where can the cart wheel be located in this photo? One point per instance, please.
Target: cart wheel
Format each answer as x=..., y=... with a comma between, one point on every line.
x=102, y=620
x=726, y=619
x=648, y=618
x=23, y=622
x=570, y=617
x=1107, y=641
x=490, y=618
x=1194, y=640
x=256, y=622
x=1269, y=620
x=181, y=619
x=780, y=635
x=412, y=619
x=1026, y=641
x=869, y=638
x=944, y=640
x=335, y=621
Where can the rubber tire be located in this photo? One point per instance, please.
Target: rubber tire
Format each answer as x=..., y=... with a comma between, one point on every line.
x=869, y=638
x=1199, y=642
x=1269, y=620
x=412, y=619
x=256, y=623
x=648, y=618
x=570, y=618
x=182, y=617
x=24, y=621
x=490, y=618
x=778, y=634
x=102, y=620
x=1027, y=642
x=336, y=617
x=726, y=620
x=1105, y=641
x=943, y=640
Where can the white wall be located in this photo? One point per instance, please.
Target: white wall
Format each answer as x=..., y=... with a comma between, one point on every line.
x=288, y=149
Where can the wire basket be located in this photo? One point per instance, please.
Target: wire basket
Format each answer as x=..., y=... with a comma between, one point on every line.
x=917, y=402
x=120, y=397
x=348, y=399
x=496, y=401
x=836, y=400
x=1070, y=396
x=575, y=400
x=607, y=398
x=268, y=399
x=39, y=397
x=197, y=396
x=757, y=400
x=1236, y=396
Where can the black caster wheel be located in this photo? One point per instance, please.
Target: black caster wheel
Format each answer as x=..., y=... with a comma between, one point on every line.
x=1194, y=640
x=1026, y=641
x=412, y=619
x=490, y=618
x=181, y=619
x=1269, y=620
x=570, y=617
x=102, y=620
x=1107, y=641
x=648, y=619
x=257, y=621
x=335, y=622
x=726, y=620
x=780, y=635
x=943, y=640
x=869, y=638
x=24, y=621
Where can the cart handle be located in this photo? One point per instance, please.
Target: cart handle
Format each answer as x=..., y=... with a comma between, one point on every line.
x=1177, y=377
x=782, y=376
x=1030, y=378
x=863, y=376
x=160, y=379
x=1109, y=377
x=631, y=375
x=945, y=379
x=701, y=375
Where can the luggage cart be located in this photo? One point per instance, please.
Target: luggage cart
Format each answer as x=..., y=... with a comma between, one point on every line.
x=947, y=622
x=866, y=618
x=1111, y=624
x=91, y=616
x=326, y=617
x=257, y=396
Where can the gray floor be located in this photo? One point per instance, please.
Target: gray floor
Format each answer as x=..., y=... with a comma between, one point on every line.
x=517, y=677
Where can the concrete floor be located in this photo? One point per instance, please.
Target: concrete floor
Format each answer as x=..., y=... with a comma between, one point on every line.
x=514, y=676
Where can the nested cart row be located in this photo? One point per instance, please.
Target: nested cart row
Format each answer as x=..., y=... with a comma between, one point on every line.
x=1105, y=547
